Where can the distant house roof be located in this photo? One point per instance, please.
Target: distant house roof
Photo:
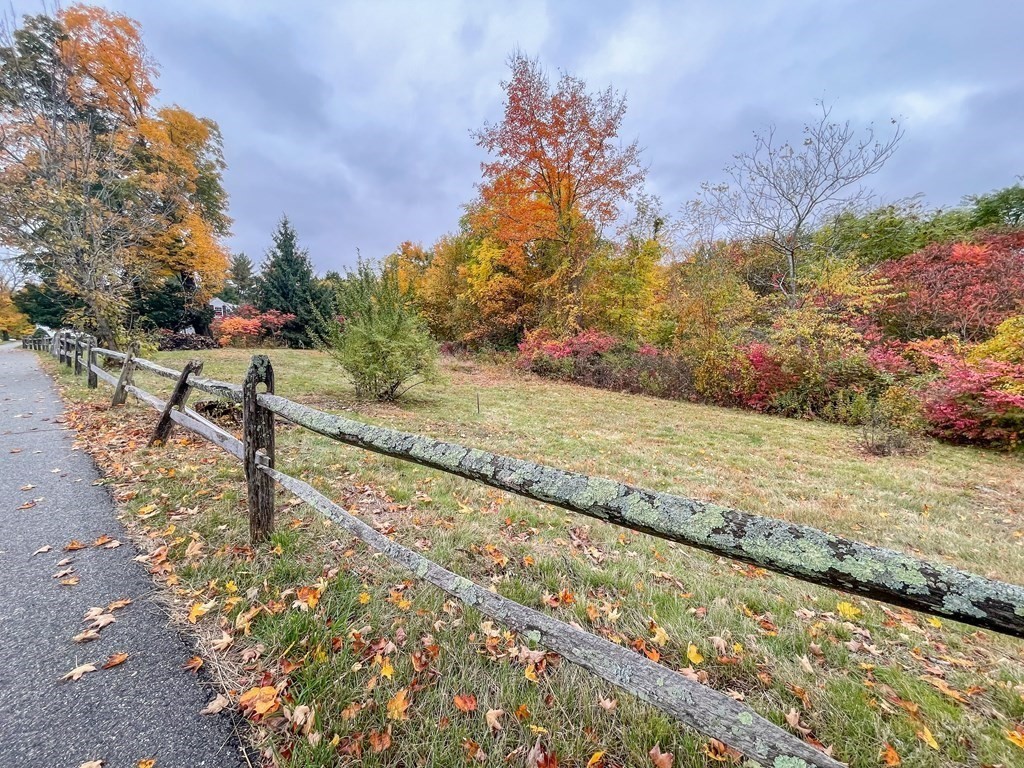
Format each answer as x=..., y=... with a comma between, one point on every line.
x=221, y=304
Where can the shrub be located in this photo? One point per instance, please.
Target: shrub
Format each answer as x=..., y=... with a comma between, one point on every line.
x=249, y=327
x=596, y=359
x=980, y=403
x=378, y=338
x=172, y=341
x=892, y=424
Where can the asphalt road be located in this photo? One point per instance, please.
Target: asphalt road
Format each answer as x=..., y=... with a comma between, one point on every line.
x=146, y=708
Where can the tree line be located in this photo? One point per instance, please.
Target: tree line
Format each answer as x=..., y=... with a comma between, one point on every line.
x=785, y=286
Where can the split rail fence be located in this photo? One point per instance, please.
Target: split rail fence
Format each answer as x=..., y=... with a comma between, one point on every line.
x=802, y=552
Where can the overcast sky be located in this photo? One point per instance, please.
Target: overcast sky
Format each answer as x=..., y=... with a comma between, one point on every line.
x=354, y=118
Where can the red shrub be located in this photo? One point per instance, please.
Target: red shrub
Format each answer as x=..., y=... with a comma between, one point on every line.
x=980, y=404
x=961, y=288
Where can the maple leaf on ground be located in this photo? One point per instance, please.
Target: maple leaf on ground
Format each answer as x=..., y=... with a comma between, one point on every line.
x=43, y=550
x=539, y=757
x=115, y=659
x=595, y=760
x=493, y=718
x=85, y=636
x=77, y=672
x=465, y=702
x=118, y=604
x=193, y=664
x=659, y=758
x=398, y=705
x=74, y=545
x=99, y=621
x=146, y=762
x=216, y=705
x=92, y=764
x=260, y=701
x=380, y=740
x=1016, y=736
x=890, y=756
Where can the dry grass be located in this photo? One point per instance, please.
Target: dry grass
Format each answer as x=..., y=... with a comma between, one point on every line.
x=858, y=682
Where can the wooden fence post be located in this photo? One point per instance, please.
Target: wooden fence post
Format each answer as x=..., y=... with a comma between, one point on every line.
x=120, y=395
x=178, y=399
x=258, y=437
x=90, y=361
x=78, y=355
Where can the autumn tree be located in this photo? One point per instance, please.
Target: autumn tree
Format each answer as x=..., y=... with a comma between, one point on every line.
x=556, y=177
x=780, y=195
x=101, y=194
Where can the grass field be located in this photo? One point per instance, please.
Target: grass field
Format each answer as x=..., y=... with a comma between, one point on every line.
x=869, y=682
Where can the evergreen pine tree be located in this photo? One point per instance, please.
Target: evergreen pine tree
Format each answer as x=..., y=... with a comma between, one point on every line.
x=287, y=284
x=239, y=288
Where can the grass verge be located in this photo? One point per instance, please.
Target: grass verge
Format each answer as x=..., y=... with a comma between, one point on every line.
x=322, y=643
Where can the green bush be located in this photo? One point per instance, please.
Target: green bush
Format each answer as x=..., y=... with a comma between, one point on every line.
x=893, y=424
x=377, y=336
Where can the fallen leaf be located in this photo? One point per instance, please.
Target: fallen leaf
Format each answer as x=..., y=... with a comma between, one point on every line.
x=260, y=701
x=194, y=664
x=493, y=719
x=28, y=487
x=926, y=736
x=198, y=610
x=398, y=705
x=77, y=672
x=379, y=740
x=118, y=604
x=148, y=762
x=890, y=756
x=216, y=705
x=693, y=654
x=659, y=758
x=595, y=759
x=92, y=764
x=86, y=635
x=101, y=540
x=115, y=659
x=848, y=610
x=101, y=620
x=607, y=704
x=1016, y=737
x=40, y=551
x=74, y=545
x=465, y=702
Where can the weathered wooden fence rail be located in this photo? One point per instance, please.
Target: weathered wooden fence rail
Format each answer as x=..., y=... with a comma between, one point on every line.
x=799, y=551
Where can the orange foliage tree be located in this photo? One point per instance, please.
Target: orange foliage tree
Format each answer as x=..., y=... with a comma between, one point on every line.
x=556, y=177
x=102, y=194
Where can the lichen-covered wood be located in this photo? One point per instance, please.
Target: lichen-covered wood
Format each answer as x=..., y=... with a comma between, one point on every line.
x=696, y=705
x=796, y=550
x=258, y=437
x=179, y=396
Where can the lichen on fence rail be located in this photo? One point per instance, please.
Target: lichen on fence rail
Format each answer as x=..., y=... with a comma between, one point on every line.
x=795, y=550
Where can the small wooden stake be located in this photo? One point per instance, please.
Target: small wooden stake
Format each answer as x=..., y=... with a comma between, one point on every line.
x=178, y=399
x=258, y=438
x=120, y=395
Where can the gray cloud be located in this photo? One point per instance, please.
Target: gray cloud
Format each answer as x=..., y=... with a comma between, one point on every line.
x=354, y=117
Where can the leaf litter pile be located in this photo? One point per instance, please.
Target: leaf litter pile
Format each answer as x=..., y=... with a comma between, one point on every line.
x=337, y=658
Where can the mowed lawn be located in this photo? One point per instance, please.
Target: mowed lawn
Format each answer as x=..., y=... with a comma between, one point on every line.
x=872, y=683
